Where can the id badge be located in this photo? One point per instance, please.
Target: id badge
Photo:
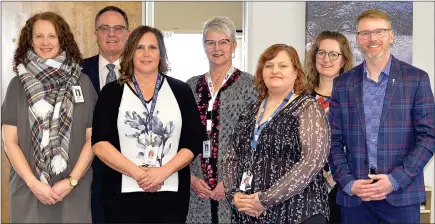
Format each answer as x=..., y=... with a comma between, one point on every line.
x=245, y=184
x=151, y=157
x=78, y=94
x=206, y=149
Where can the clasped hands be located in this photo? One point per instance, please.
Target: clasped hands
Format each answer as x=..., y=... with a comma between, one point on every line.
x=50, y=195
x=151, y=179
x=204, y=191
x=368, y=191
x=248, y=203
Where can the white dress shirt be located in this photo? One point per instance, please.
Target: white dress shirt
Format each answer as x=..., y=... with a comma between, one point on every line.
x=103, y=71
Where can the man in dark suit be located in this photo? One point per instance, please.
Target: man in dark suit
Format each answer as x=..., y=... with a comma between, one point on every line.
x=382, y=116
x=111, y=29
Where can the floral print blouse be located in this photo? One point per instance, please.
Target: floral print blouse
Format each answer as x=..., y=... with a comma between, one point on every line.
x=209, y=165
x=323, y=100
x=287, y=164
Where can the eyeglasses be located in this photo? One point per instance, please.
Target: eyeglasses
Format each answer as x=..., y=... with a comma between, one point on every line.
x=116, y=29
x=332, y=55
x=224, y=43
x=379, y=33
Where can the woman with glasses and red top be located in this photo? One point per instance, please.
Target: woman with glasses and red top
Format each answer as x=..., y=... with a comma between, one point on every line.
x=221, y=94
x=329, y=56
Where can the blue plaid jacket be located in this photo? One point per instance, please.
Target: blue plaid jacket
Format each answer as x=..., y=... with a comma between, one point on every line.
x=406, y=138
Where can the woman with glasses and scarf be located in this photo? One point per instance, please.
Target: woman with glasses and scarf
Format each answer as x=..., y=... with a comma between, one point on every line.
x=329, y=56
x=46, y=122
x=221, y=94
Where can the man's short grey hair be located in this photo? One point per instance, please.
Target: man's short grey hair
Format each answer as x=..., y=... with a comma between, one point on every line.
x=222, y=24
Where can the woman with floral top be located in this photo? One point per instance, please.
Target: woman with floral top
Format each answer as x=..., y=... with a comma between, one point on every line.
x=146, y=130
x=329, y=56
x=281, y=143
x=221, y=94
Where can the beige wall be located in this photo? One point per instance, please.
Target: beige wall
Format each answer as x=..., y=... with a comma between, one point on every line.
x=79, y=15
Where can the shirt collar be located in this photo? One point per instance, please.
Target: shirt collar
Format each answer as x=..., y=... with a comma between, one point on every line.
x=386, y=69
x=102, y=62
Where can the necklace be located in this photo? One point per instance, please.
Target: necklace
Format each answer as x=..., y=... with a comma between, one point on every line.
x=146, y=86
x=216, y=81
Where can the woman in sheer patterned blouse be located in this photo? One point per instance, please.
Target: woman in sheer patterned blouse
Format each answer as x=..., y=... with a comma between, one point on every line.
x=273, y=167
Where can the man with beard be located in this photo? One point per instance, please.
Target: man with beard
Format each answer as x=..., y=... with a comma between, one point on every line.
x=111, y=29
x=382, y=117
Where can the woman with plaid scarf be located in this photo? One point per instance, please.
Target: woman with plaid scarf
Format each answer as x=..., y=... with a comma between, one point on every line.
x=46, y=123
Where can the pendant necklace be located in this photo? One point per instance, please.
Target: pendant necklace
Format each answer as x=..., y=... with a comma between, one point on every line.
x=217, y=80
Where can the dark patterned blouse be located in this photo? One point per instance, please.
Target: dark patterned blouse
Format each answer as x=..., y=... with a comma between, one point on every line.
x=287, y=164
x=324, y=103
x=209, y=165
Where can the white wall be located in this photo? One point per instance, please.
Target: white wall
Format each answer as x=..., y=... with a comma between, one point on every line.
x=284, y=22
x=423, y=57
x=273, y=23
x=168, y=14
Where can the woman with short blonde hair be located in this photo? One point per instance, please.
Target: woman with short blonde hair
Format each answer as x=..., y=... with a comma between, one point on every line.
x=221, y=93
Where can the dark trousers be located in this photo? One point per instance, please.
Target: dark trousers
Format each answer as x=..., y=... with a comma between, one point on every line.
x=160, y=208
x=97, y=179
x=315, y=219
x=380, y=212
x=335, y=215
x=140, y=214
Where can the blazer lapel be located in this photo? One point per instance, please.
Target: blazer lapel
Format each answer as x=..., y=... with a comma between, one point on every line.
x=394, y=78
x=358, y=87
x=97, y=74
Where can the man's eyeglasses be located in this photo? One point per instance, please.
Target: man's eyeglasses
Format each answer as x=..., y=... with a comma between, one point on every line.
x=224, y=43
x=332, y=55
x=106, y=29
x=379, y=33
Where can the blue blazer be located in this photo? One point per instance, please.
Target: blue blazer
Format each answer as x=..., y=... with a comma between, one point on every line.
x=90, y=68
x=406, y=138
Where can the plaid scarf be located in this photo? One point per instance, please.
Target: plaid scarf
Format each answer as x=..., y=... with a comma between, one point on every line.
x=47, y=84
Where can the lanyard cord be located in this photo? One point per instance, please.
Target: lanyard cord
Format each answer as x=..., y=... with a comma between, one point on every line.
x=150, y=112
x=258, y=128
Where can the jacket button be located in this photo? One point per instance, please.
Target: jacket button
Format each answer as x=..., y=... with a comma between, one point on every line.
x=365, y=161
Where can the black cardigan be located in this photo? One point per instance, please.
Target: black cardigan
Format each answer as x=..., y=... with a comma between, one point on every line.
x=105, y=129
